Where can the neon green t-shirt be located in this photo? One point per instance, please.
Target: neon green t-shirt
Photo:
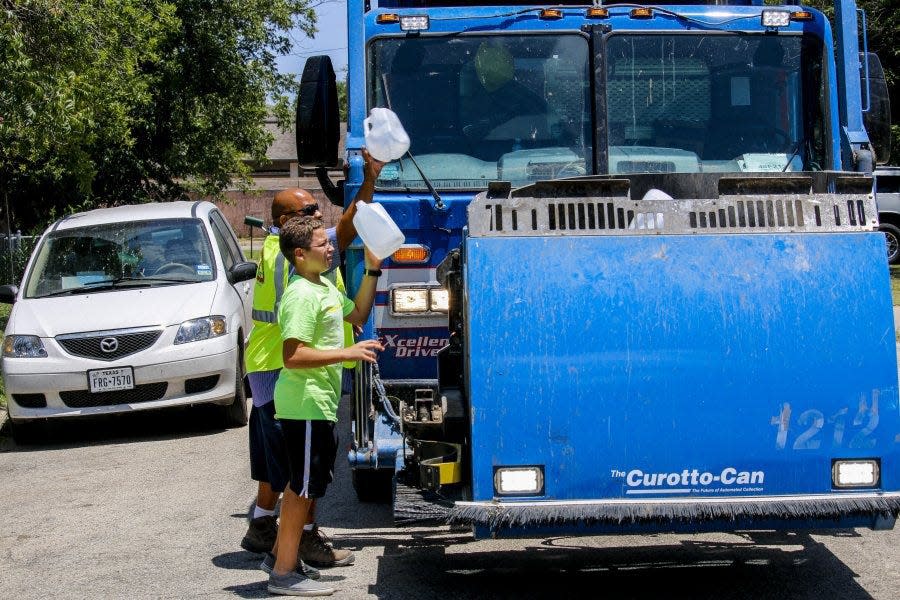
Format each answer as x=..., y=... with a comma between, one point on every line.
x=313, y=314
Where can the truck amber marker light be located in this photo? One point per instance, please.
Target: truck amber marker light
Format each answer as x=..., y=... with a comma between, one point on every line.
x=641, y=13
x=387, y=18
x=551, y=14
x=411, y=253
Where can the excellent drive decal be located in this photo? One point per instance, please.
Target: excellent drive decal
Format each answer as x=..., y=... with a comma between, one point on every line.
x=691, y=481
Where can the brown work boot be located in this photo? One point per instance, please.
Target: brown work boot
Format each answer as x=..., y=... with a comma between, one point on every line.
x=318, y=552
x=261, y=534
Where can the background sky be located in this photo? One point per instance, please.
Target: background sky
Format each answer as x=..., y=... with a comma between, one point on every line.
x=331, y=40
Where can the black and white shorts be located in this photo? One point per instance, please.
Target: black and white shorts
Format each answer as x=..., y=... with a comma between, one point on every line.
x=311, y=449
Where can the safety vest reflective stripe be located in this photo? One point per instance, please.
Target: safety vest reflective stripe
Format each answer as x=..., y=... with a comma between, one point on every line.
x=271, y=316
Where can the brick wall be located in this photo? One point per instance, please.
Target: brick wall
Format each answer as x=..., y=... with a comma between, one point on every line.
x=258, y=203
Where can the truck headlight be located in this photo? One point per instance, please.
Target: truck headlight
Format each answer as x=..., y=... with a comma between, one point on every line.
x=409, y=300
x=519, y=481
x=23, y=346
x=439, y=300
x=203, y=328
x=855, y=473
x=419, y=300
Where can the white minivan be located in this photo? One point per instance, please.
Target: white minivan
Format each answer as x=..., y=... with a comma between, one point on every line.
x=129, y=308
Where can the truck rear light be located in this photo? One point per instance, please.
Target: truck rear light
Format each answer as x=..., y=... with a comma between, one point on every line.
x=855, y=473
x=519, y=481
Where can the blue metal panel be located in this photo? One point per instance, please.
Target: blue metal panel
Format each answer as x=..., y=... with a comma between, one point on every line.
x=681, y=366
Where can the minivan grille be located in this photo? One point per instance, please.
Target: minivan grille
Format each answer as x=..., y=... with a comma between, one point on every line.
x=141, y=393
x=96, y=344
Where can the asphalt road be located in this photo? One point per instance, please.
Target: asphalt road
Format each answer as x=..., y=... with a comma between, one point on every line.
x=153, y=506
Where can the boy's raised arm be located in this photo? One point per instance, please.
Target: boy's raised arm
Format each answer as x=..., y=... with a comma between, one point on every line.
x=365, y=297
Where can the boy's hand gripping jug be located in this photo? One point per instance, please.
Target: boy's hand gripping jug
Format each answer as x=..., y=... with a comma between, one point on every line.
x=377, y=230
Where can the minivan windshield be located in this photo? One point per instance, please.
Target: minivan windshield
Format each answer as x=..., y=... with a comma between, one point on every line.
x=100, y=257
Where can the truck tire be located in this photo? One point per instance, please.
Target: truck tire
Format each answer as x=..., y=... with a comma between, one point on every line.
x=892, y=237
x=235, y=414
x=373, y=485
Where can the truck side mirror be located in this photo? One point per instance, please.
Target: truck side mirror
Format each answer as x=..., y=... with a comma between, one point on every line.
x=318, y=119
x=877, y=119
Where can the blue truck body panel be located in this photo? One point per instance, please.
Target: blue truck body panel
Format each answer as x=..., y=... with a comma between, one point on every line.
x=680, y=366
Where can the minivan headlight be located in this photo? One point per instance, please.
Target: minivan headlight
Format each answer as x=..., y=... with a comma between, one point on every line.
x=203, y=328
x=23, y=346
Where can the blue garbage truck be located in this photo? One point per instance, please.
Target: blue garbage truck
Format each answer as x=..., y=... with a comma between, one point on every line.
x=643, y=286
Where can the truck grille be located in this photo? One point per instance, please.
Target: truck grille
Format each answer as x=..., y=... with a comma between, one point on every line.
x=99, y=345
x=141, y=393
x=570, y=213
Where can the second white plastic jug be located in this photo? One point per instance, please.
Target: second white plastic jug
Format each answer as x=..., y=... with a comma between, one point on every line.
x=377, y=230
x=386, y=140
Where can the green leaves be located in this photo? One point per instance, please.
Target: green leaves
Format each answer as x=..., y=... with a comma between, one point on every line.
x=119, y=101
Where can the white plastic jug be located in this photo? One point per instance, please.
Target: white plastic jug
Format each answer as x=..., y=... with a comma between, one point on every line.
x=386, y=140
x=377, y=230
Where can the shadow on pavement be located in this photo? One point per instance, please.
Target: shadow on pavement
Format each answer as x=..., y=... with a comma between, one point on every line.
x=774, y=565
x=139, y=426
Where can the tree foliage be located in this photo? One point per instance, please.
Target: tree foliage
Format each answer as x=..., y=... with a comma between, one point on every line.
x=121, y=101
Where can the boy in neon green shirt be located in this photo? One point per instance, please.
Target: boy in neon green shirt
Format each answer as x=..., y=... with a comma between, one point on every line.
x=308, y=389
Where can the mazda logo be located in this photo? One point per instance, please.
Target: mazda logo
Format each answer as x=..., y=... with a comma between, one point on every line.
x=109, y=344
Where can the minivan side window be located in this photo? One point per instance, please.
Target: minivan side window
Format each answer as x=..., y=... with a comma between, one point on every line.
x=228, y=246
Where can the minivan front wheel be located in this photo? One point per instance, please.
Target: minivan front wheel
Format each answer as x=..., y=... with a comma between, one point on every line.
x=236, y=412
x=892, y=237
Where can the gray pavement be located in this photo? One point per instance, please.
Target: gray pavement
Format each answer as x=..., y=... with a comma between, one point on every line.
x=154, y=505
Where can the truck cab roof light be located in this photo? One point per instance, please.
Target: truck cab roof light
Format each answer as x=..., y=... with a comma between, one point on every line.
x=597, y=13
x=411, y=253
x=641, y=13
x=551, y=14
x=801, y=15
x=775, y=18
x=414, y=22
x=386, y=18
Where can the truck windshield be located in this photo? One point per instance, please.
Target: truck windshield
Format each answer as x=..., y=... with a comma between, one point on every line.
x=485, y=108
x=714, y=103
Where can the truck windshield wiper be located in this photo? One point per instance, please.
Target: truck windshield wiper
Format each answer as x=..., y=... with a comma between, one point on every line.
x=794, y=153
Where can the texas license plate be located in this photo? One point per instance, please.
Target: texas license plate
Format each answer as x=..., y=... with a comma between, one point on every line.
x=110, y=380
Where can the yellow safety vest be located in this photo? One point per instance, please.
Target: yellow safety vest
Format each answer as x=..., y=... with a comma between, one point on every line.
x=264, y=347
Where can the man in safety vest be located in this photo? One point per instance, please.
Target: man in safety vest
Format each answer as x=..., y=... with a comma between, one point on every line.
x=268, y=463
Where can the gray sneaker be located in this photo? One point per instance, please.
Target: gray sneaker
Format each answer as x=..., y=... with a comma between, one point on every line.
x=268, y=565
x=295, y=584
